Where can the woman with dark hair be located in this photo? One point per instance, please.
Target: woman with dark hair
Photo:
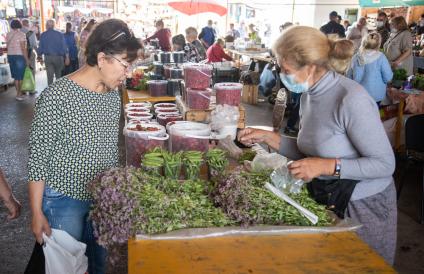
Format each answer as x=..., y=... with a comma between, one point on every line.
x=71, y=42
x=17, y=55
x=83, y=38
x=74, y=137
x=398, y=48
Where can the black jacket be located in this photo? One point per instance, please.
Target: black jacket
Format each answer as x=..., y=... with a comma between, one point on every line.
x=333, y=28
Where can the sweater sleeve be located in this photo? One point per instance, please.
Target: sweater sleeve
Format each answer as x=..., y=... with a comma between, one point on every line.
x=386, y=70
x=43, y=135
x=363, y=126
x=288, y=148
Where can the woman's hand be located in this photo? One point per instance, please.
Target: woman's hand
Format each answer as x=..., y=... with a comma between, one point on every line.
x=39, y=224
x=250, y=136
x=13, y=206
x=310, y=168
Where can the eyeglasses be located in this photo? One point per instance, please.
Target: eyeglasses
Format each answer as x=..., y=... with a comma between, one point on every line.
x=124, y=64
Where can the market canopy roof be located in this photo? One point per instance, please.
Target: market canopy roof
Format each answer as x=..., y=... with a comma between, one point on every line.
x=191, y=7
x=390, y=3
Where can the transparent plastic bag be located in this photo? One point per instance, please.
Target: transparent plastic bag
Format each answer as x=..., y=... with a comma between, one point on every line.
x=282, y=179
x=268, y=161
x=227, y=144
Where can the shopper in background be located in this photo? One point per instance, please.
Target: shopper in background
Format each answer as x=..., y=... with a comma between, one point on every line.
x=344, y=51
x=9, y=200
x=74, y=137
x=333, y=27
x=341, y=139
x=53, y=47
x=191, y=37
x=420, y=25
x=163, y=35
x=31, y=43
x=398, y=48
x=190, y=51
x=370, y=67
x=216, y=53
x=87, y=29
x=383, y=27
x=208, y=35
x=357, y=31
x=17, y=55
x=233, y=32
x=71, y=39
x=253, y=33
x=242, y=30
x=346, y=25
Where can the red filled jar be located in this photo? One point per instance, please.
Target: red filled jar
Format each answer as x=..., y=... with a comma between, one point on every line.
x=139, y=109
x=185, y=136
x=167, y=111
x=158, y=88
x=165, y=105
x=228, y=93
x=198, y=99
x=165, y=118
x=141, y=138
x=197, y=76
x=141, y=116
x=139, y=105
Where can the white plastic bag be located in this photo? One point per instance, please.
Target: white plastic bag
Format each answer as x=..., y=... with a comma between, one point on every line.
x=64, y=254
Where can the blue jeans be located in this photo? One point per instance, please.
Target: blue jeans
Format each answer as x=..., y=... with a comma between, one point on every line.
x=71, y=215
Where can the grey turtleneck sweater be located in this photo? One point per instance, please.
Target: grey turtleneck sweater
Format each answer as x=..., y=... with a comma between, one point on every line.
x=339, y=119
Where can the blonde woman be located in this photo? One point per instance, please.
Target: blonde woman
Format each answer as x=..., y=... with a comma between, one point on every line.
x=344, y=50
x=370, y=67
x=331, y=148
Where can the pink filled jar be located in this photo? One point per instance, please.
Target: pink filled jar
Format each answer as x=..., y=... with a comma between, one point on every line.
x=158, y=88
x=141, y=116
x=198, y=99
x=141, y=138
x=165, y=118
x=186, y=135
x=228, y=93
x=167, y=111
x=197, y=76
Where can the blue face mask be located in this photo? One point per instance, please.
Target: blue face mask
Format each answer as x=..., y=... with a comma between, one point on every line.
x=292, y=85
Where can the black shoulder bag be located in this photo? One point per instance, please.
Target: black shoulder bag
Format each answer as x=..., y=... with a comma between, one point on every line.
x=335, y=194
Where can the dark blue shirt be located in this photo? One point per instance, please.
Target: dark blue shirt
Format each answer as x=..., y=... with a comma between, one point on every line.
x=71, y=43
x=52, y=42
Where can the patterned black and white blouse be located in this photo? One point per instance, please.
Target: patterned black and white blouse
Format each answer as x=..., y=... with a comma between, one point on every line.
x=191, y=53
x=74, y=137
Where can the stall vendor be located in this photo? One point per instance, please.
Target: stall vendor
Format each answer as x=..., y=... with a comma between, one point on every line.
x=341, y=139
x=163, y=35
x=216, y=52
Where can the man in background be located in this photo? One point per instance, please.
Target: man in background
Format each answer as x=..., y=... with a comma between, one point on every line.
x=383, y=27
x=208, y=35
x=233, y=32
x=53, y=47
x=163, y=35
x=333, y=27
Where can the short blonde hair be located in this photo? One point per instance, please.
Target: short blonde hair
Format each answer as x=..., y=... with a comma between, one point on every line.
x=342, y=55
x=371, y=41
x=400, y=23
x=303, y=45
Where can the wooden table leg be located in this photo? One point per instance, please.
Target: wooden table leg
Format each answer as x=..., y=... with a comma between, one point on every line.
x=399, y=125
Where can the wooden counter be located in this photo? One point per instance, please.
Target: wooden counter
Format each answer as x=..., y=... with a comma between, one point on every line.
x=338, y=252
x=134, y=96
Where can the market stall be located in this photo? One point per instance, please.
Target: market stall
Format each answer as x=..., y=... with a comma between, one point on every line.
x=405, y=97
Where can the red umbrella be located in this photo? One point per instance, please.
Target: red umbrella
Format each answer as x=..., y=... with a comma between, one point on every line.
x=191, y=7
